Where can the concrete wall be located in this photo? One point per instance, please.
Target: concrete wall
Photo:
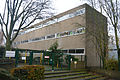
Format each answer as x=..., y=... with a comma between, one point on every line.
x=96, y=30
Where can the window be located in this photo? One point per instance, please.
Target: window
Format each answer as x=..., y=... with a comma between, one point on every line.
x=24, y=41
x=18, y=42
x=65, y=51
x=37, y=39
x=71, y=32
x=29, y=40
x=52, y=21
x=15, y=43
x=42, y=38
x=78, y=31
x=79, y=50
x=58, y=34
x=71, y=15
x=64, y=34
x=71, y=50
x=83, y=30
x=63, y=18
x=51, y=36
x=33, y=39
x=74, y=51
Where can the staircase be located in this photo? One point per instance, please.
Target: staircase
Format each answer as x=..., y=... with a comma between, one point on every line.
x=72, y=75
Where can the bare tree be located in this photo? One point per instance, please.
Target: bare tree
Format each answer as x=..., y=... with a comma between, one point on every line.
x=21, y=13
x=92, y=3
x=112, y=10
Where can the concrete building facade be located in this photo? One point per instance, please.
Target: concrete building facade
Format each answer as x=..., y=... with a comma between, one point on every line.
x=73, y=30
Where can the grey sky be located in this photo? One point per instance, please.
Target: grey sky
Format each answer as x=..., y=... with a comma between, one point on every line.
x=64, y=5
x=59, y=5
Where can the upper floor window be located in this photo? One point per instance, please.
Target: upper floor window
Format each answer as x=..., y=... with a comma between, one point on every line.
x=42, y=38
x=56, y=35
x=80, y=30
x=64, y=34
x=71, y=32
x=51, y=36
x=67, y=16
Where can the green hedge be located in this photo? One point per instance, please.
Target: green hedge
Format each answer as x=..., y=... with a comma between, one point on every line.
x=29, y=72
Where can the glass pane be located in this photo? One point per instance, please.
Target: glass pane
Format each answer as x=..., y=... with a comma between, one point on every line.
x=64, y=51
x=51, y=36
x=79, y=50
x=72, y=51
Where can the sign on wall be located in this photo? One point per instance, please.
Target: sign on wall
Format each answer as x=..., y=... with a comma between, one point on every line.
x=10, y=54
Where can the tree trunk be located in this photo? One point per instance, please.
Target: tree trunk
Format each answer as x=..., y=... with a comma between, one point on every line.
x=8, y=45
x=119, y=59
x=117, y=46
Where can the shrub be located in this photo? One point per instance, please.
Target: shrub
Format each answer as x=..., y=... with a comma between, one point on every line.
x=111, y=64
x=29, y=72
x=5, y=75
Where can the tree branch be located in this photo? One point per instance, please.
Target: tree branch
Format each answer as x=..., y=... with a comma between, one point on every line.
x=2, y=29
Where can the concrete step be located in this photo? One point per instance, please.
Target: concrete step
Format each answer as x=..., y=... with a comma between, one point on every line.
x=61, y=72
x=100, y=78
x=64, y=74
x=67, y=77
x=72, y=75
x=89, y=78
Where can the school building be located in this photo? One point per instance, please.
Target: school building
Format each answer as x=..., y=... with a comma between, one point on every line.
x=74, y=30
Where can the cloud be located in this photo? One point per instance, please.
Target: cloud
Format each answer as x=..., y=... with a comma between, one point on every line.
x=64, y=5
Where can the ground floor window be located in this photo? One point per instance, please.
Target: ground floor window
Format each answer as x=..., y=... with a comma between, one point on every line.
x=80, y=51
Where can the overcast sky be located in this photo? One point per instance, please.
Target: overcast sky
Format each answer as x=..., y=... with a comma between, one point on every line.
x=64, y=5
x=59, y=5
